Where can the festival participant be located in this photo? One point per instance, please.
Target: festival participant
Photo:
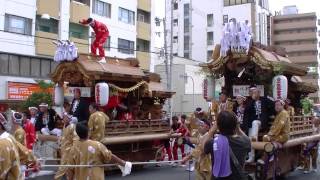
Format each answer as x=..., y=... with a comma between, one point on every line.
x=79, y=107
x=89, y=152
x=11, y=161
x=257, y=116
x=177, y=128
x=33, y=114
x=224, y=103
x=97, y=123
x=30, y=131
x=19, y=134
x=228, y=148
x=101, y=34
x=203, y=161
x=45, y=122
x=310, y=151
x=279, y=131
x=68, y=139
x=239, y=110
x=289, y=108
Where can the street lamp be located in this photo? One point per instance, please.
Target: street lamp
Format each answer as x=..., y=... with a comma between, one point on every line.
x=185, y=76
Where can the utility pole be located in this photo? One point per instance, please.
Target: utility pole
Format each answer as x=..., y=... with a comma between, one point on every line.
x=171, y=57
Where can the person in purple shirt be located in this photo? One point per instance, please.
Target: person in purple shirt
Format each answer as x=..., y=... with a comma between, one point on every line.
x=230, y=136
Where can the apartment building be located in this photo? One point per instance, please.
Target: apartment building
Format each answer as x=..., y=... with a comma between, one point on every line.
x=197, y=25
x=27, y=29
x=255, y=11
x=299, y=35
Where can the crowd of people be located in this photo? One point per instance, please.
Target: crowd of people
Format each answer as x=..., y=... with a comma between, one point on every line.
x=223, y=136
x=78, y=130
x=219, y=141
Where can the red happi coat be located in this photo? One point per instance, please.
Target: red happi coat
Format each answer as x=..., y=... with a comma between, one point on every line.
x=30, y=134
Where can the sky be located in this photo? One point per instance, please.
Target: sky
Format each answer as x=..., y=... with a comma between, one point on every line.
x=304, y=6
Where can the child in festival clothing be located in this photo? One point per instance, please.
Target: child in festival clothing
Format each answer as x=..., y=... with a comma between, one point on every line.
x=30, y=131
x=178, y=128
x=203, y=161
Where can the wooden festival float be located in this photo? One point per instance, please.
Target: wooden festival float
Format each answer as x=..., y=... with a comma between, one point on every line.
x=261, y=66
x=142, y=93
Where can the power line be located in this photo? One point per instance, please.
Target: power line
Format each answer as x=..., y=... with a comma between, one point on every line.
x=86, y=44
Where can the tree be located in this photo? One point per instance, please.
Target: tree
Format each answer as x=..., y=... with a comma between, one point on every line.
x=42, y=96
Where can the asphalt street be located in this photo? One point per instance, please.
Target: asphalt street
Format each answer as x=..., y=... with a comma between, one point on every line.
x=180, y=173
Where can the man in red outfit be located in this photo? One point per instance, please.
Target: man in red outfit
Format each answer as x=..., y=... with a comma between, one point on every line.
x=101, y=32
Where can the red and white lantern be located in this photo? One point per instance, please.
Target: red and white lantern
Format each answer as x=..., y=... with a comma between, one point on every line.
x=102, y=94
x=208, y=88
x=58, y=95
x=280, y=87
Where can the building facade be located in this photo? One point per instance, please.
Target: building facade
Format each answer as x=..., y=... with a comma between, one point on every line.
x=197, y=25
x=256, y=12
x=187, y=83
x=299, y=35
x=27, y=29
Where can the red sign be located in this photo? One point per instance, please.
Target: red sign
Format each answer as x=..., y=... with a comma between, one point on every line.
x=21, y=91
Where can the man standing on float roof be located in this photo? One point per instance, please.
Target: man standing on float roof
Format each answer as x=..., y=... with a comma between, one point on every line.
x=101, y=34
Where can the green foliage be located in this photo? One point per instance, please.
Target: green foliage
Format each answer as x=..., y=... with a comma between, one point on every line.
x=36, y=98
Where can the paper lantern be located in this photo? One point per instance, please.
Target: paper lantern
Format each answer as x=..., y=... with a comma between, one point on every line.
x=208, y=88
x=280, y=87
x=102, y=94
x=58, y=95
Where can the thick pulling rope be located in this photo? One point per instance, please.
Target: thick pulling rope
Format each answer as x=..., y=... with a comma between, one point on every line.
x=110, y=165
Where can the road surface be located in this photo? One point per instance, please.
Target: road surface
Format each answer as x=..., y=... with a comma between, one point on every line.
x=179, y=173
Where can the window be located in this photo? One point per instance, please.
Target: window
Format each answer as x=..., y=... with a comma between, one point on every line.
x=209, y=55
x=87, y=2
x=175, y=39
x=186, y=55
x=107, y=45
x=225, y=19
x=186, y=25
x=101, y=8
x=47, y=25
x=210, y=20
x=78, y=31
x=175, y=6
x=186, y=43
x=186, y=10
x=143, y=16
x=18, y=24
x=125, y=46
x=210, y=38
x=126, y=16
x=232, y=2
x=236, y=2
x=143, y=45
x=175, y=22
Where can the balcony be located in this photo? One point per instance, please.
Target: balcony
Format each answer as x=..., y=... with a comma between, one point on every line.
x=304, y=59
x=82, y=44
x=295, y=36
x=295, y=25
x=301, y=47
x=45, y=46
x=51, y=7
x=144, y=31
x=144, y=60
x=144, y=5
x=78, y=11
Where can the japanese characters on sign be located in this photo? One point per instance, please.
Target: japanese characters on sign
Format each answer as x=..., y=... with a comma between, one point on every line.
x=21, y=91
x=244, y=90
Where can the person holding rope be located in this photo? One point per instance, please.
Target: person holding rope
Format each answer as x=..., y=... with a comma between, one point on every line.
x=14, y=156
x=69, y=137
x=89, y=152
x=97, y=123
x=203, y=161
